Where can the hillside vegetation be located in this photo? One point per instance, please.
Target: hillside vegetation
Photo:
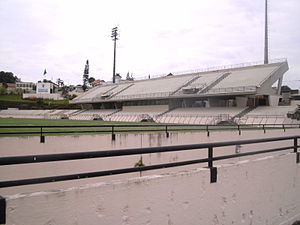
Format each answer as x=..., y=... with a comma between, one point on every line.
x=16, y=101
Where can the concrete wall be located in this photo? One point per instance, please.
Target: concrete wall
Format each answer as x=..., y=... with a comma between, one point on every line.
x=145, y=108
x=44, y=96
x=262, y=191
x=274, y=100
x=241, y=101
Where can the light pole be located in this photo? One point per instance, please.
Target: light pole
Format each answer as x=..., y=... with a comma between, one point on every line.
x=266, y=53
x=114, y=36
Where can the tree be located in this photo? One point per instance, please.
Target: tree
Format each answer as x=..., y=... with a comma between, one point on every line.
x=8, y=77
x=2, y=90
x=128, y=77
x=86, y=75
x=285, y=88
x=91, y=80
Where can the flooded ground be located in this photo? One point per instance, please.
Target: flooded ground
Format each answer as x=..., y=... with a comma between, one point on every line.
x=18, y=146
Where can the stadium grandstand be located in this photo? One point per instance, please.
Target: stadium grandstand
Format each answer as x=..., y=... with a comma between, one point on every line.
x=239, y=94
x=243, y=94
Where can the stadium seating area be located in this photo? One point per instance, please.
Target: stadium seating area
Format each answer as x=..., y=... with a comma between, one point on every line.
x=244, y=79
x=211, y=115
x=269, y=115
x=39, y=114
x=184, y=99
x=93, y=114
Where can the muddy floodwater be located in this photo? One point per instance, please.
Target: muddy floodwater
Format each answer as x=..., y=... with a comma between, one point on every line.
x=20, y=146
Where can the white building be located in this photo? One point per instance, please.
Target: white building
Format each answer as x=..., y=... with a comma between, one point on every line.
x=44, y=88
x=44, y=91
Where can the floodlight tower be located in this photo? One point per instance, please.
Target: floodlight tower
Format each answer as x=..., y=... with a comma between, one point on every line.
x=114, y=36
x=266, y=55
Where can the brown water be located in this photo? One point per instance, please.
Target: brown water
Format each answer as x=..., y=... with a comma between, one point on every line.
x=16, y=146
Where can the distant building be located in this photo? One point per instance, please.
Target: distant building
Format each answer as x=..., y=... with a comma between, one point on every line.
x=45, y=90
x=97, y=82
x=28, y=86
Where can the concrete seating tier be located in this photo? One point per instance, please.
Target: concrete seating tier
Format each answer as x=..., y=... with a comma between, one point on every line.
x=134, y=116
x=203, y=81
x=204, y=116
x=101, y=92
x=160, y=87
x=266, y=120
x=24, y=113
x=96, y=92
x=252, y=76
x=38, y=114
x=93, y=114
x=276, y=115
x=272, y=110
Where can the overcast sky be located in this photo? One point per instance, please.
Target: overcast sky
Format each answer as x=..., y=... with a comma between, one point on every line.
x=156, y=37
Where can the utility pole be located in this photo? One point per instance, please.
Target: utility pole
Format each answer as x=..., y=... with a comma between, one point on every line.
x=266, y=55
x=114, y=36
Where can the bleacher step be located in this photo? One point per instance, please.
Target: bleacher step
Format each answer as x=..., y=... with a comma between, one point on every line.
x=213, y=84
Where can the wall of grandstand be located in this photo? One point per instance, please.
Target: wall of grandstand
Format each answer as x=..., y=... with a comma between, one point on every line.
x=145, y=108
x=241, y=101
x=276, y=75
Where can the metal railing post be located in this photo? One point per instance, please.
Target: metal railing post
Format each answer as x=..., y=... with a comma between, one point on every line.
x=42, y=137
x=207, y=130
x=213, y=170
x=167, y=133
x=113, y=135
x=295, y=145
x=296, y=150
x=2, y=210
x=210, y=156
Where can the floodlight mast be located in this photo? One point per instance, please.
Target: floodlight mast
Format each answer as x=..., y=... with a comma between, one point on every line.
x=266, y=55
x=114, y=36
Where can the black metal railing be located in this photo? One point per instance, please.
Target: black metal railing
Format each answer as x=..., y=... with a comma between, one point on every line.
x=13, y=160
x=133, y=128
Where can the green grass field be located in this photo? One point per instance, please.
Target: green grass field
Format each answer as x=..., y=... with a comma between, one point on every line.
x=101, y=130
x=54, y=122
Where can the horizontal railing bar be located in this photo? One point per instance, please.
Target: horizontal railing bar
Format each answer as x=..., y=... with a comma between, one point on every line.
x=121, y=152
x=13, y=183
x=202, y=128
x=252, y=153
x=81, y=131
x=22, y=182
x=144, y=125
